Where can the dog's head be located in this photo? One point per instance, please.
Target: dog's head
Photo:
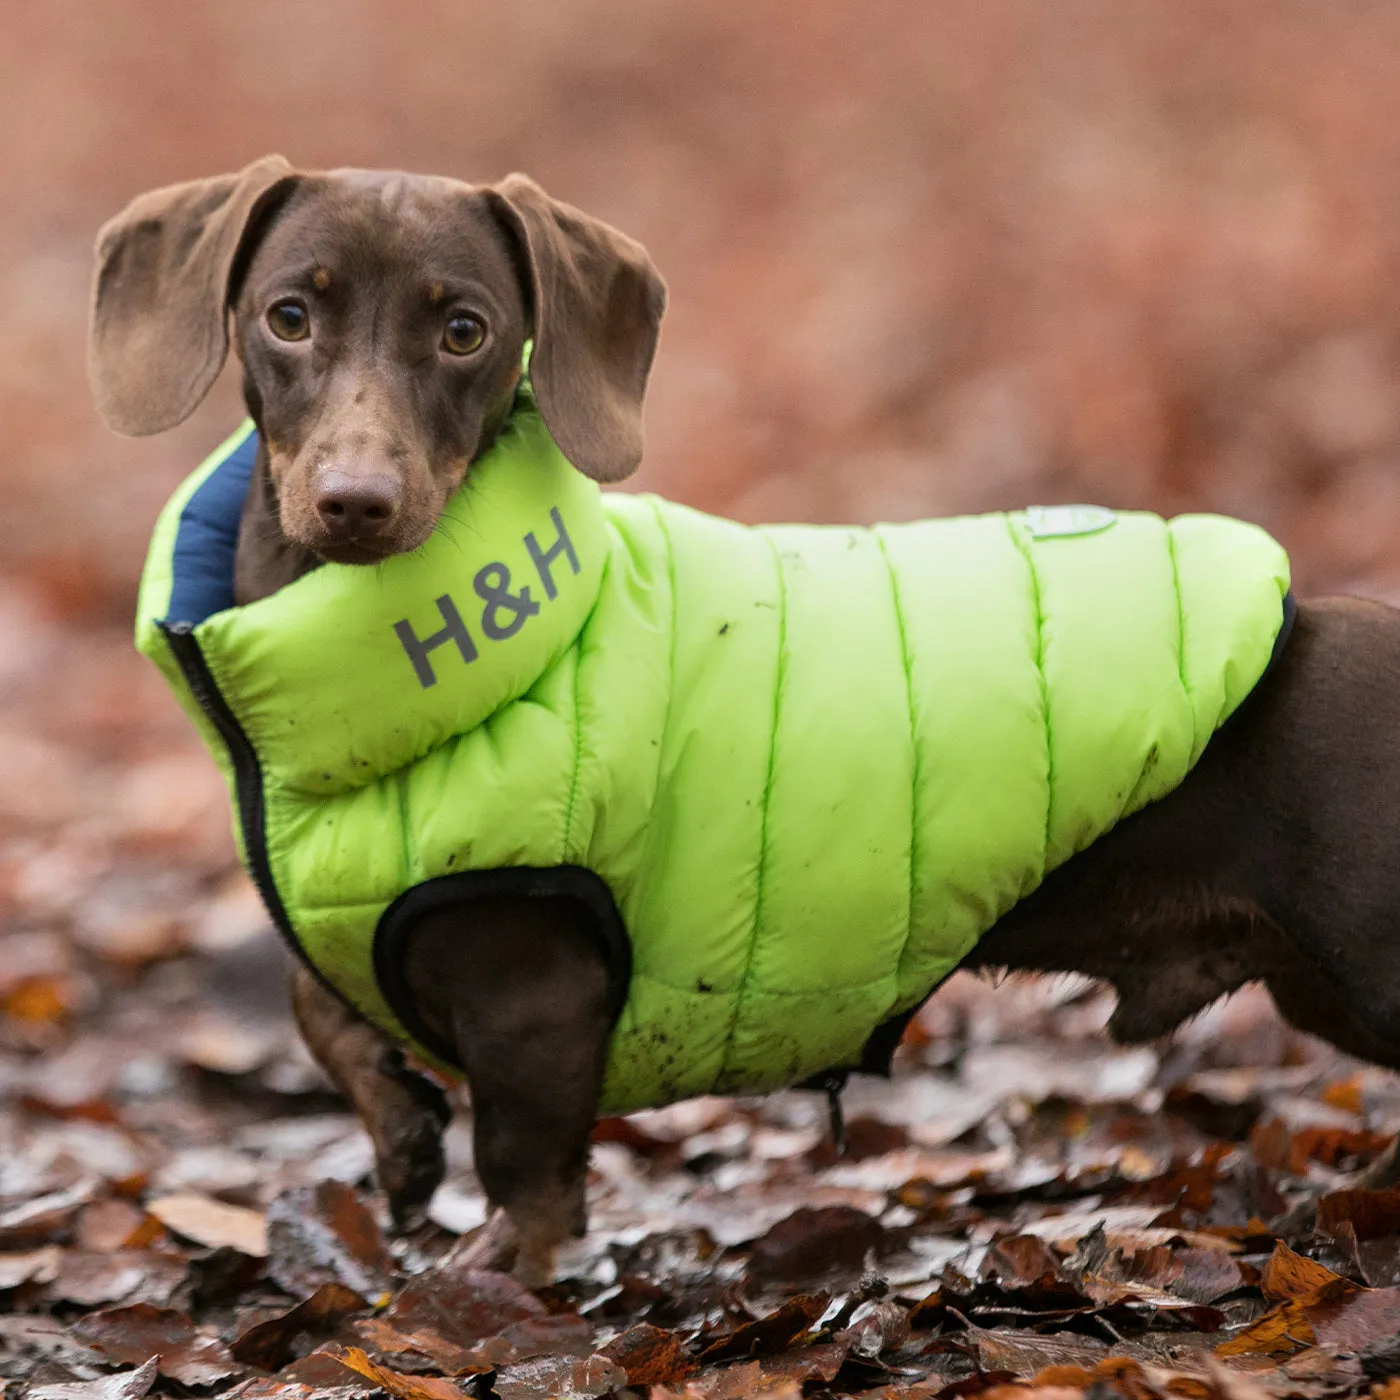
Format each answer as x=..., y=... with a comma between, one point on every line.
x=380, y=320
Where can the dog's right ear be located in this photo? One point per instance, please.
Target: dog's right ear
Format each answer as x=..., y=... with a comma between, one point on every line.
x=159, y=330
x=596, y=305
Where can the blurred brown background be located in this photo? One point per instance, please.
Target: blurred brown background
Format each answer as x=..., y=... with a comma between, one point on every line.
x=924, y=257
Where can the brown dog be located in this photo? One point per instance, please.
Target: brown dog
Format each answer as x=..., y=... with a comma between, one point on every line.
x=380, y=320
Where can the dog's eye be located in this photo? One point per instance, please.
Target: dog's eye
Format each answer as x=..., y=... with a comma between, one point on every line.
x=462, y=335
x=288, y=320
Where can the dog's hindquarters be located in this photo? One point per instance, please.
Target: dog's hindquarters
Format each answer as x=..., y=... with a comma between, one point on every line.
x=1274, y=860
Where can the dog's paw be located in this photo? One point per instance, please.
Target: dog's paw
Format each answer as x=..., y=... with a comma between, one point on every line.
x=500, y=1245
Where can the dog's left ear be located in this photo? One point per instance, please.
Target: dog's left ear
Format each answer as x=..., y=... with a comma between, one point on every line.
x=597, y=303
x=159, y=329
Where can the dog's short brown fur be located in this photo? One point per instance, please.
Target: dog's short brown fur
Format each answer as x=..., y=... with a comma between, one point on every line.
x=1275, y=860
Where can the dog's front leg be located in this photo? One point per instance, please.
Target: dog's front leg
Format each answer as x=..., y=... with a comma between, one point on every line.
x=403, y=1112
x=521, y=986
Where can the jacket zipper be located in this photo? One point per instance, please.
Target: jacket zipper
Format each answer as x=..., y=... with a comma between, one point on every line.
x=247, y=771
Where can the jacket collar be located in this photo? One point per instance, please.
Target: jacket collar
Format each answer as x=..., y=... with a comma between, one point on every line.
x=351, y=673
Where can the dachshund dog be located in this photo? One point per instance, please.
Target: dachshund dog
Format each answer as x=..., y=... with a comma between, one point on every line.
x=380, y=321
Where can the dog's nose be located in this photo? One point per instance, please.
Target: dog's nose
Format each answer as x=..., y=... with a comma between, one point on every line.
x=353, y=506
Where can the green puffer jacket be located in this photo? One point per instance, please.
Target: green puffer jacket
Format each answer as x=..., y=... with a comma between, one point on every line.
x=796, y=771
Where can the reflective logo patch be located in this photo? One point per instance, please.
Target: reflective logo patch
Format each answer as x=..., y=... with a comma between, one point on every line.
x=506, y=610
x=1048, y=521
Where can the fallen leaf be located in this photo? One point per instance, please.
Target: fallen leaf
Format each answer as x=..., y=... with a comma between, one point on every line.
x=559, y=1334
x=275, y=1388
x=1372, y=1214
x=1198, y=1275
x=813, y=1242
x=1290, y=1275
x=94, y=1279
x=209, y=1222
x=1338, y=1148
x=326, y=1234
x=124, y=1385
x=1025, y=1354
x=1016, y=1261
x=386, y=1339
x=327, y=1378
x=775, y=1332
x=1356, y=1320
x=885, y=1327
x=802, y=1364
x=1287, y=1328
x=395, y=1382
x=559, y=1378
x=34, y=1266
x=115, y=1224
x=1229, y=1384
x=649, y=1355
x=133, y=1334
x=462, y=1306
x=46, y=1217
x=268, y=1344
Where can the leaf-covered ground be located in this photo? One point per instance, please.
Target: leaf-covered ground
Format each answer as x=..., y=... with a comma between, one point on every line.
x=185, y=1208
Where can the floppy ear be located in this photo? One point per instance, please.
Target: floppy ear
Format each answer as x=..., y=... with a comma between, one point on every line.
x=597, y=303
x=159, y=330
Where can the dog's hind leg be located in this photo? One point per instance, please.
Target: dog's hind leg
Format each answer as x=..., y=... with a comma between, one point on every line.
x=403, y=1112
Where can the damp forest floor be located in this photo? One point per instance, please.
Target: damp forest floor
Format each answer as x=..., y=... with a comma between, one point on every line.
x=187, y=1209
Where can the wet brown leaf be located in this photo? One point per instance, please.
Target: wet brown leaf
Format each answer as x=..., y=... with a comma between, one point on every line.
x=1372, y=1215
x=802, y=1364
x=326, y=1234
x=92, y=1279
x=116, y=1224
x=1290, y=1275
x=463, y=1306
x=733, y=1383
x=814, y=1242
x=559, y=1378
x=649, y=1355
x=45, y=1218
x=387, y=1340
x=1198, y=1275
x=1016, y=1261
x=1288, y=1327
x=885, y=1327
x=269, y=1344
x=213, y=1223
x=326, y=1376
x=1356, y=1320
x=1025, y=1354
x=33, y=1266
x=124, y=1385
x=403, y=1386
x=132, y=1335
x=775, y=1332
x=560, y=1334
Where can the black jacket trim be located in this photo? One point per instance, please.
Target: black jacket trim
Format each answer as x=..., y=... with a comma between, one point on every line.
x=574, y=882
x=249, y=801
x=1290, y=616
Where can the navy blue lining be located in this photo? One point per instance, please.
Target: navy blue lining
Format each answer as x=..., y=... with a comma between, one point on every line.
x=207, y=537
